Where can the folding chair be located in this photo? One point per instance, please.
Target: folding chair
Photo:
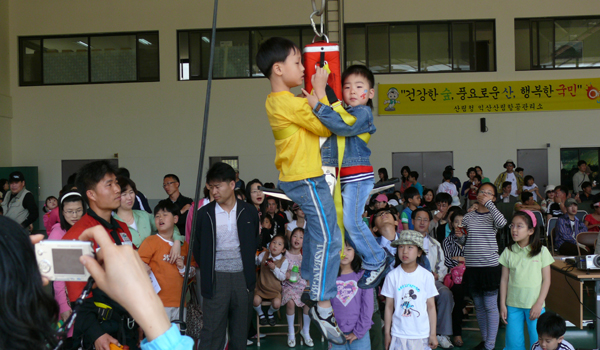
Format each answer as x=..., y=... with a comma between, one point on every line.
x=588, y=239
x=540, y=221
x=581, y=214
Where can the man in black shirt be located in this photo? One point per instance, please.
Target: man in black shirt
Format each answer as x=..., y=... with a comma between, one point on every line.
x=171, y=186
x=279, y=217
x=19, y=203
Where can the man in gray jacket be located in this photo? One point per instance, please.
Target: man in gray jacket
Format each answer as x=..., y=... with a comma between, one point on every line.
x=19, y=203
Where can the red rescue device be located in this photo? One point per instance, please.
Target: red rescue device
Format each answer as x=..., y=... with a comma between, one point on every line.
x=323, y=54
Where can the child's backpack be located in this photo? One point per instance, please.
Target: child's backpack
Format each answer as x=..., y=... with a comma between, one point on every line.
x=455, y=276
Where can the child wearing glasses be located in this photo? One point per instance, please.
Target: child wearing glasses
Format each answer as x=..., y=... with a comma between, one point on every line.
x=483, y=271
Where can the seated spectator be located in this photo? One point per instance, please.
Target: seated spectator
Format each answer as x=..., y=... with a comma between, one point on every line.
x=50, y=205
x=506, y=196
x=454, y=253
x=3, y=188
x=558, y=208
x=278, y=217
x=298, y=220
x=551, y=329
x=383, y=176
x=545, y=204
x=156, y=251
x=530, y=186
x=413, y=176
x=586, y=193
x=141, y=224
x=428, y=201
x=412, y=200
x=592, y=221
x=384, y=226
x=440, y=216
x=435, y=255
x=567, y=228
x=527, y=202
x=267, y=231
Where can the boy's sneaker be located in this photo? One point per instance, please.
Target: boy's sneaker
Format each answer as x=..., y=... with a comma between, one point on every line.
x=305, y=297
x=372, y=278
x=328, y=327
x=444, y=341
x=262, y=320
x=271, y=319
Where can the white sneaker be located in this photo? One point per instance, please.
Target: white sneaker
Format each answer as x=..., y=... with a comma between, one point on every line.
x=249, y=342
x=444, y=341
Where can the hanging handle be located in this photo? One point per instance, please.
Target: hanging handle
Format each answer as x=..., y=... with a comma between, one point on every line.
x=320, y=33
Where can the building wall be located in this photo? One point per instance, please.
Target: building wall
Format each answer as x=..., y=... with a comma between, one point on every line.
x=156, y=127
x=5, y=100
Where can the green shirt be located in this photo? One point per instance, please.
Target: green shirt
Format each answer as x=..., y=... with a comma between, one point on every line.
x=145, y=227
x=525, y=276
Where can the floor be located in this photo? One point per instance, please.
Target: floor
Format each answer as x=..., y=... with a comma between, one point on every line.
x=580, y=339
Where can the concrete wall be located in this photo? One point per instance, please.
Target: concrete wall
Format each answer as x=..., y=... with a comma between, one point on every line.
x=5, y=99
x=156, y=127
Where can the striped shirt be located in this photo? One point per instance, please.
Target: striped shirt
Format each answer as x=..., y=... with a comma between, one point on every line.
x=452, y=249
x=564, y=345
x=481, y=249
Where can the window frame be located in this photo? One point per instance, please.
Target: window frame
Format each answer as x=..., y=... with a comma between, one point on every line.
x=451, y=55
x=89, y=36
x=537, y=20
x=251, y=52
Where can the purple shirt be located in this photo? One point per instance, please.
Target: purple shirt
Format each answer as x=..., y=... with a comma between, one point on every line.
x=352, y=306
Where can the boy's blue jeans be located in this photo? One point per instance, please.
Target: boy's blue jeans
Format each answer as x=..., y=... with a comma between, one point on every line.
x=355, y=196
x=322, y=236
x=515, y=336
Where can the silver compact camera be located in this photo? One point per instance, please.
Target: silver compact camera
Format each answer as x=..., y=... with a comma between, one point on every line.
x=59, y=260
x=588, y=262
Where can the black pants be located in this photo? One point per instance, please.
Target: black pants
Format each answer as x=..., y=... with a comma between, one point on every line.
x=457, y=313
x=568, y=248
x=227, y=307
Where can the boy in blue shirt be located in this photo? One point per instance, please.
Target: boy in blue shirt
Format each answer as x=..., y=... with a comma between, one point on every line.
x=412, y=200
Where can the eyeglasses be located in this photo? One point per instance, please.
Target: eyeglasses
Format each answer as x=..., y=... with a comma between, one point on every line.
x=73, y=212
x=256, y=191
x=486, y=193
x=422, y=219
x=381, y=213
x=166, y=184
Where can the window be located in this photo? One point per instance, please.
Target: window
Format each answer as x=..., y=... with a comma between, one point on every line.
x=448, y=46
x=568, y=164
x=235, y=50
x=557, y=43
x=84, y=59
x=233, y=161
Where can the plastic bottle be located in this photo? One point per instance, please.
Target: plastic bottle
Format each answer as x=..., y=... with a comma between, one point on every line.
x=294, y=274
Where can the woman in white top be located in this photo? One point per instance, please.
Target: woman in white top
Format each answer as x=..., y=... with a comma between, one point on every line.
x=298, y=221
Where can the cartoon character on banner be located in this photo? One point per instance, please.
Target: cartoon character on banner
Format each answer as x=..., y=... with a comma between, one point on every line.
x=393, y=95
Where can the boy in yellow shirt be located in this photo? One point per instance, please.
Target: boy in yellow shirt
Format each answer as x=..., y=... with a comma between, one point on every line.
x=298, y=159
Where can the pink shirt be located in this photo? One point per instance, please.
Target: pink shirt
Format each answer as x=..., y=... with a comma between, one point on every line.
x=51, y=218
x=60, y=294
x=188, y=221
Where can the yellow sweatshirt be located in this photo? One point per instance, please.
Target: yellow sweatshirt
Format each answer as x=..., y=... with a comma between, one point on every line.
x=298, y=156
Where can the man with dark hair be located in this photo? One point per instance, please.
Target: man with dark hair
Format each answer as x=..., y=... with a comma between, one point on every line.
x=239, y=183
x=527, y=202
x=586, y=193
x=581, y=176
x=558, y=208
x=453, y=178
x=448, y=186
x=171, y=187
x=413, y=176
x=19, y=203
x=141, y=202
x=225, y=246
x=101, y=321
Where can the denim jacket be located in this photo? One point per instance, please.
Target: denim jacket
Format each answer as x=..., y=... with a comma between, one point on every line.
x=356, y=152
